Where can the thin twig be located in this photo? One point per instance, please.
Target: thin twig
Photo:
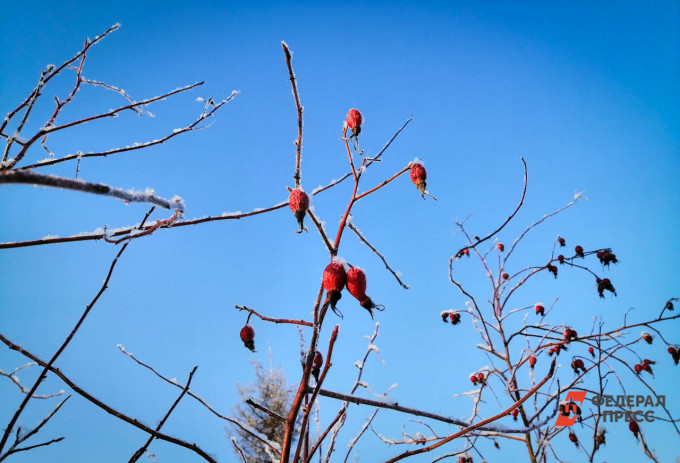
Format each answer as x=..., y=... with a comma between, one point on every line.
x=377, y=253
x=298, y=106
x=108, y=409
x=144, y=447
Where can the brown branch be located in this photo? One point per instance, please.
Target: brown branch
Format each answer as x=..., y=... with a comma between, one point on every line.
x=298, y=106
x=47, y=366
x=33, y=178
x=363, y=239
x=196, y=397
x=144, y=447
x=136, y=146
x=269, y=412
x=108, y=409
x=495, y=232
x=274, y=320
x=479, y=425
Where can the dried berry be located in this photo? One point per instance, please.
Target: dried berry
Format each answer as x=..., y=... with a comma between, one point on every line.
x=570, y=334
x=634, y=427
x=561, y=241
x=560, y=258
x=552, y=269
x=248, y=337
x=647, y=337
x=334, y=280
x=578, y=366
x=604, y=285
x=356, y=285
x=418, y=177
x=573, y=438
x=299, y=203
x=455, y=318
x=505, y=276
x=579, y=251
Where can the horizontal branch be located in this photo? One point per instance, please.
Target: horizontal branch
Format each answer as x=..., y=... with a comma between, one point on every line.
x=33, y=178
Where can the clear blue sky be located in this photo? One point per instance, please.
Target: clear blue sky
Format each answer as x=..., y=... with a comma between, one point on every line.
x=588, y=95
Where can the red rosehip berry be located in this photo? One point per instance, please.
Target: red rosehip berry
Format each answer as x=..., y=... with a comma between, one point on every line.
x=480, y=377
x=579, y=251
x=592, y=351
x=578, y=366
x=561, y=241
x=638, y=368
x=672, y=350
x=334, y=280
x=500, y=247
x=473, y=378
x=532, y=362
x=552, y=269
x=560, y=258
x=515, y=412
x=604, y=285
x=647, y=337
x=573, y=438
x=418, y=177
x=248, y=337
x=455, y=318
x=356, y=285
x=354, y=120
x=506, y=276
x=669, y=306
x=540, y=310
x=299, y=203
x=316, y=365
x=634, y=427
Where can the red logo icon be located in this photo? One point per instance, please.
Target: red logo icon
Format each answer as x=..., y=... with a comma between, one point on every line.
x=570, y=411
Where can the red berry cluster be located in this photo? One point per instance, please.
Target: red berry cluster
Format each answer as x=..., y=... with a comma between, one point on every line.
x=570, y=334
x=334, y=280
x=478, y=378
x=578, y=366
x=557, y=348
x=454, y=316
x=552, y=269
x=606, y=257
x=603, y=285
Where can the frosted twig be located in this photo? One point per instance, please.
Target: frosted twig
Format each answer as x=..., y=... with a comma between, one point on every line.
x=353, y=442
x=137, y=146
x=377, y=253
x=15, y=379
x=274, y=320
x=34, y=178
x=298, y=106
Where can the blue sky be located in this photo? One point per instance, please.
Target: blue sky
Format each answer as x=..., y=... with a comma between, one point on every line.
x=588, y=95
